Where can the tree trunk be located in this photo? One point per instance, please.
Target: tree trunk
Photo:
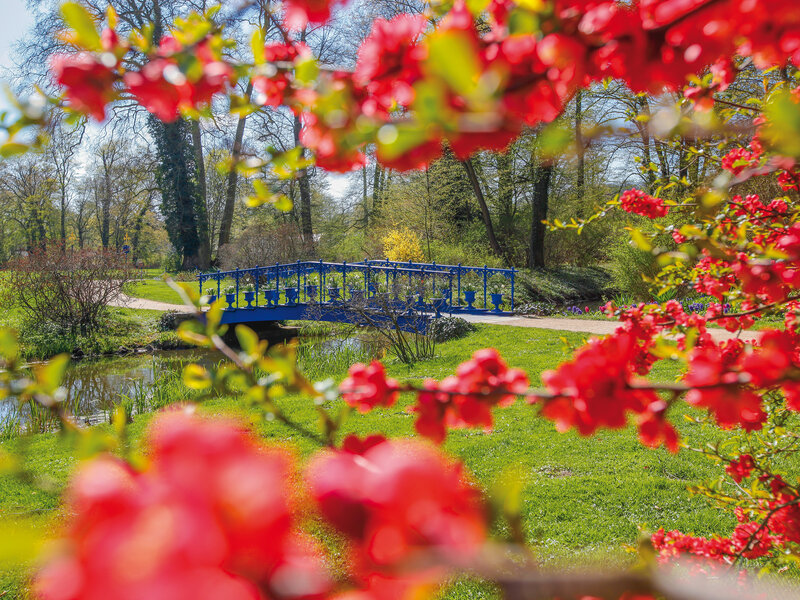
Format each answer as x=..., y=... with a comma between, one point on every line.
x=105, y=205
x=305, y=195
x=377, y=191
x=233, y=179
x=64, y=216
x=541, y=191
x=364, y=198
x=644, y=132
x=138, y=224
x=505, y=193
x=487, y=219
x=204, y=248
x=580, y=180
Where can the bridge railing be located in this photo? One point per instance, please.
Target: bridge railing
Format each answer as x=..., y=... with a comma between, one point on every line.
x=319, y=281
x=462, y=274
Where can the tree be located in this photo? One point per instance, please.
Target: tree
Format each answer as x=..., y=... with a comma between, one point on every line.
x=64, y=143
x=176, y=179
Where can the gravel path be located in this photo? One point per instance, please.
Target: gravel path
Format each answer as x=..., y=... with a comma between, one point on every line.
x=556, y=324
x=577, y=325
x=125, y=301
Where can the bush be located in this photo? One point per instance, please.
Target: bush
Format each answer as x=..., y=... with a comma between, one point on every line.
x=172, y=262
x=539, y=309
x=262, y=245
x=69, y=289
x=169, y=320
x=631, y=266
x=402, y=245
x=565, y=285
x=445, y=329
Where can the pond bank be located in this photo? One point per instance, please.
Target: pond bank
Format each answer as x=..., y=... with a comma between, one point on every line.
x=144, y=382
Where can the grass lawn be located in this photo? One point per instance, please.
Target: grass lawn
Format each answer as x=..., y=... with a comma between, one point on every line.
x=584, y=500
x=153, y=289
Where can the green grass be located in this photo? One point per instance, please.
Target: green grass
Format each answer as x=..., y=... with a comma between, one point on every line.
x=584, y=499
x=153, y=289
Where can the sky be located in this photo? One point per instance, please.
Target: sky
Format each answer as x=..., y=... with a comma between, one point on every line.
x=14, y=22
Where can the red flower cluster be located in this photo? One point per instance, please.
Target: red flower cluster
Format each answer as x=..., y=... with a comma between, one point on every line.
x=389, y=60
x=211, y=517
x=299, y=13
x=715, y=373
x=739, y=159
x=88, y=82
x=163, y=88
x=748, y=539
x=640, y=203
x=741, y=468
x=368, y=387
x=272, y=90
x=396, y=501
x=467, y=399
x=789, y=180
x=594, y=390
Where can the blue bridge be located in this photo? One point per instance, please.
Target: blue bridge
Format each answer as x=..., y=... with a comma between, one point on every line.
x=368, y=292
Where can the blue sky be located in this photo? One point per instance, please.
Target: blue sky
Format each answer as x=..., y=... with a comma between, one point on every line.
x=14, y=22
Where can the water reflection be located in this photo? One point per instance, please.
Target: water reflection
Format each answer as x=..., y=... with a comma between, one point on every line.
x=93, y=387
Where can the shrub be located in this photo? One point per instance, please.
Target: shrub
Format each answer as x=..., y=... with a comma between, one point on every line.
x=70, y=289
x=538, y=309
x=262, y=245
x=562, y=286
x=631, y=267
x=402, y=245
x=450, y=328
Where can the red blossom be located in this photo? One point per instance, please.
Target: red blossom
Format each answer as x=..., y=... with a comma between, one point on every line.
x=164, y=89
x=640, y=203
x=389, y=59
x=719, y=389
x=397, y=499
x=741, y=468
x=352, y=443
x=594, y=390
x=739, y=159
x=368, y=387
x=299, y=13
x=88, y=80
x=210, y=517
x=467, y=399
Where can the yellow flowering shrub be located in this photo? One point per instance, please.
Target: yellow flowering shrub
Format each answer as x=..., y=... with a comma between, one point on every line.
x=402, y=245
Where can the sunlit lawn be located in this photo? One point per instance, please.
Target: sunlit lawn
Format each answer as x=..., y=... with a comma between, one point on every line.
x=583, y=498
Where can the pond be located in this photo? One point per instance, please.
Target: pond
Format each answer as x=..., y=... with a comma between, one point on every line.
x=144, y=381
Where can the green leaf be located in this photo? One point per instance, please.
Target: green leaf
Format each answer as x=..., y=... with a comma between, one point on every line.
x=20, y=543
x=196, y=377
x=10, y=149
x=306, y=70
x=476, y=7
x=257, y=46
x=640, y=240
x=555, y=139
x=50, y=375
x=9, y=345
x=452, y=56
x=248, y=339
x=283, y=203
x=782, y=130
x=81, y=22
